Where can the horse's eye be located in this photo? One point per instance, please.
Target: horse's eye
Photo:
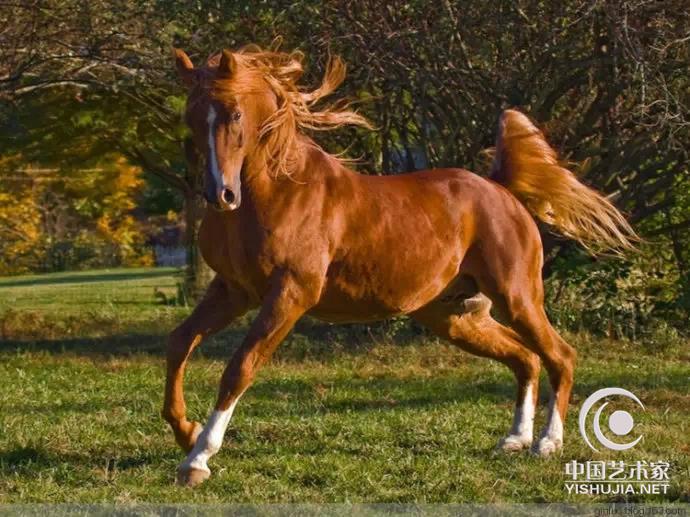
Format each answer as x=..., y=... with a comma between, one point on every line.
x=235, y=116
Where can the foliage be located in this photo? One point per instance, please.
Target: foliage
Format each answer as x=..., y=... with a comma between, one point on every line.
x=606, y=80
x=57, y=219
x=639, y=298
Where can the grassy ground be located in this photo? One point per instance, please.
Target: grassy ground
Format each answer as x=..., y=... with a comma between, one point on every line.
x=350, y=413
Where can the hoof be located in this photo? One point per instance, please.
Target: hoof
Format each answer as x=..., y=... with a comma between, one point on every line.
x=514, y=443
x=191, y=477
x=547, y=447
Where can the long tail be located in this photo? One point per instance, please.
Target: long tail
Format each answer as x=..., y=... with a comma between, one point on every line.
x=527, y=166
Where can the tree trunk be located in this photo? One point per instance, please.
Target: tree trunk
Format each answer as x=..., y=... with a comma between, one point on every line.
x=197, y=273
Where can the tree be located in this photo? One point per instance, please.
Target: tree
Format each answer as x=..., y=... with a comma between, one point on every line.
x=606, y=80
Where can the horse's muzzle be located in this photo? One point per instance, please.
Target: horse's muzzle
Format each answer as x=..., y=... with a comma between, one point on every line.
x=227, y=196
x=228, y=199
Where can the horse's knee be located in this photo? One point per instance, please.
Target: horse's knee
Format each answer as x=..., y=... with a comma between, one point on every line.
x=180, y=341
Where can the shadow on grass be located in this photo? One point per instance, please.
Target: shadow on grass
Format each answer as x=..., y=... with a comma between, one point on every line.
x=81, y=278
x=126, y=345
x=310, y=339
x=32, y=458
x=317, y=341
x=32, y=461
x=387, y=394
x=364, y=397
x=274, y=400
x=284, y=398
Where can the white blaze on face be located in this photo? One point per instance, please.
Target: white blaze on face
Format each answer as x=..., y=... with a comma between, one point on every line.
x=213, y=158
x=210, y=439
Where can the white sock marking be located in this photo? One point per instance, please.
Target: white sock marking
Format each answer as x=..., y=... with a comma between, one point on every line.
x=554, y=429
x=523, y=423
x=552, y=436
x=210, y=439
x=524, y=416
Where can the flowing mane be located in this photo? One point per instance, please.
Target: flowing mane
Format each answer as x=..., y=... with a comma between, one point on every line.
x=281, y=71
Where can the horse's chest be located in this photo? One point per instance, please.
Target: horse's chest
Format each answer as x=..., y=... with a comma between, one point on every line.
x=244, y=257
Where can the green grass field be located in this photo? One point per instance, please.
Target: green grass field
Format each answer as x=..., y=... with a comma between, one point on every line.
x=342, y=414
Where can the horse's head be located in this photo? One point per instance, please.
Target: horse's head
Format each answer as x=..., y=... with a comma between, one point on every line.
x=247, y=107
x=226, y=107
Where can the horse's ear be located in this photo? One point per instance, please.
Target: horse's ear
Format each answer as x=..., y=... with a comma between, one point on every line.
x=228, y=64
x=185, y=68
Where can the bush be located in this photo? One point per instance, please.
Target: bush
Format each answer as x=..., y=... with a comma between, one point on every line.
x=638, y=297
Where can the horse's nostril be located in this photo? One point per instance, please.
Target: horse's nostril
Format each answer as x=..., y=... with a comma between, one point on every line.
x=228, y=196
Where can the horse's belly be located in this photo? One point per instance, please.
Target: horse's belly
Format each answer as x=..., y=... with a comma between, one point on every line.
x=354, y=313
x=374, y=292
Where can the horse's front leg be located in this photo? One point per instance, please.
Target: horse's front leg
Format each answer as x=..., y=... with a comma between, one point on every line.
x=284, y=305
x=219, y=306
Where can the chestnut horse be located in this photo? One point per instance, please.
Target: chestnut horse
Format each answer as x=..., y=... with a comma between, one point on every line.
x=292, y=231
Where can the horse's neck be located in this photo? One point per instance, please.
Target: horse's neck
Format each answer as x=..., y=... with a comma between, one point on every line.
x=310, y=160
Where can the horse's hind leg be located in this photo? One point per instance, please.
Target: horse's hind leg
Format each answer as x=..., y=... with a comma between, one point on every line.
x=531, y=322
x=522, y=302
x=220, y=305
x=472, y=328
